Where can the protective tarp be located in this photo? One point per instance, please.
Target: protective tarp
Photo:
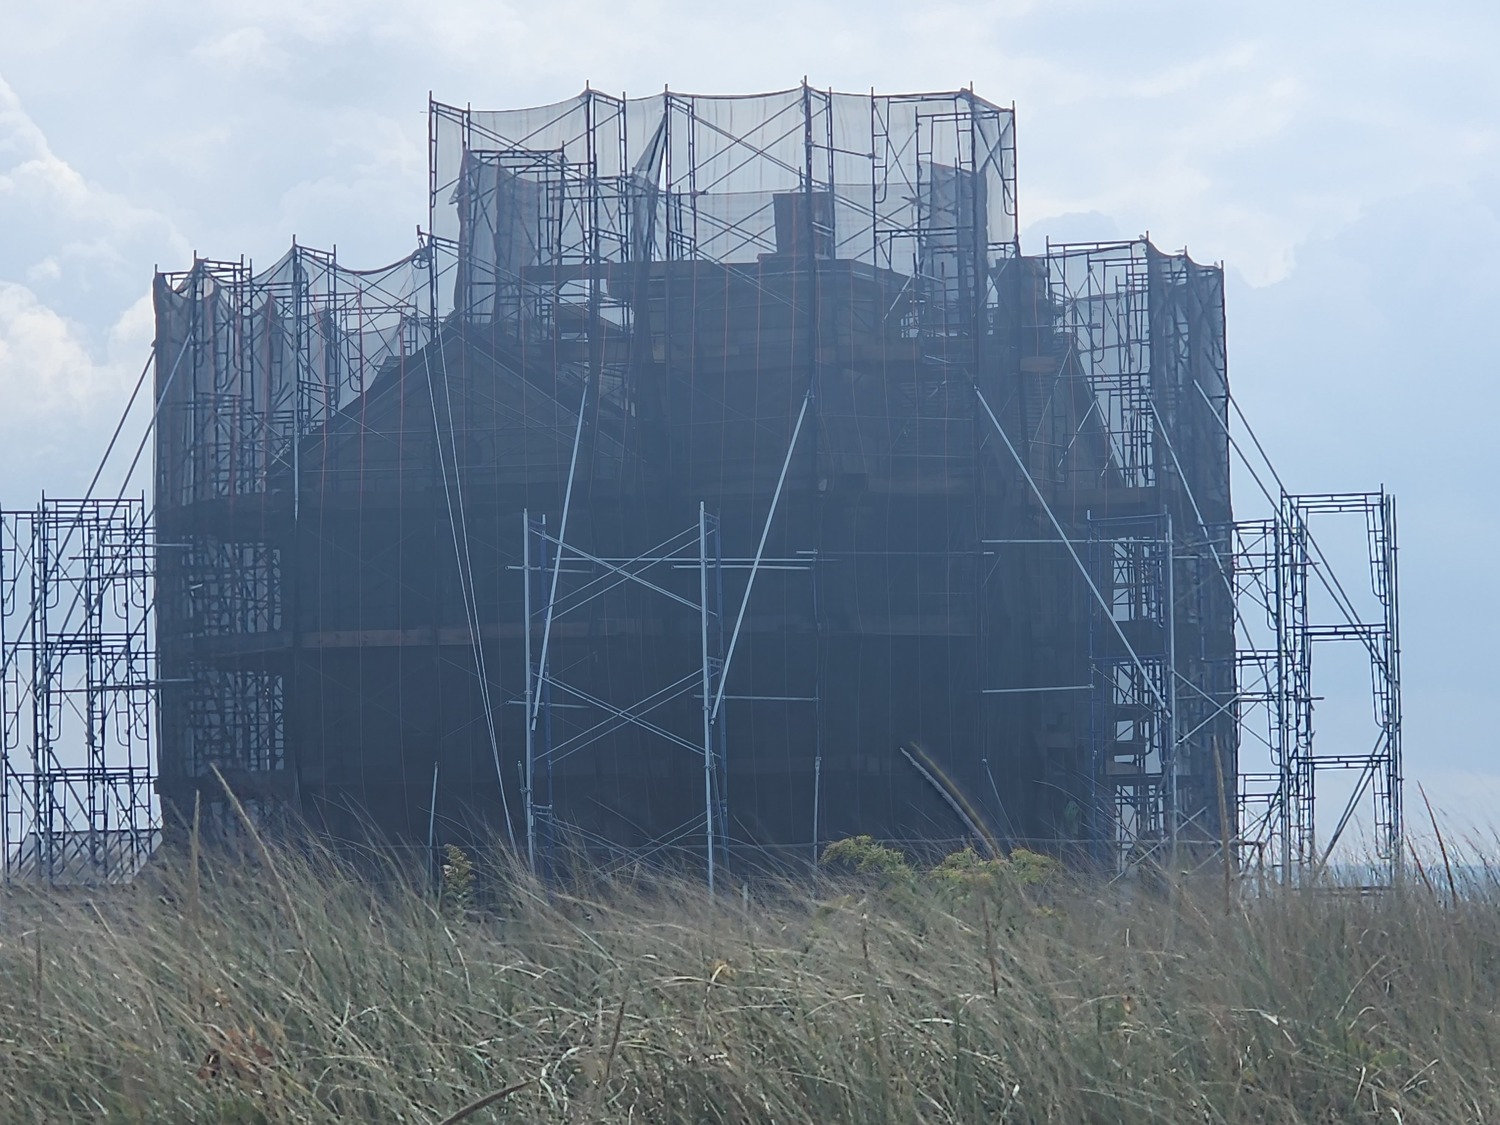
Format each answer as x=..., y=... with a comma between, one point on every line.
x=1145, y=334
x=797, y=317
x=248, y=361
x=920, y=184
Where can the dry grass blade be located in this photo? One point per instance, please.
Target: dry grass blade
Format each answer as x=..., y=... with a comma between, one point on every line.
x=286, y=894
x=859, y=1001
x=488, y=1100
x=600, y=1087
x=1226, y=856
x=989, y=948
x=614, y=1042
x=1442, y=846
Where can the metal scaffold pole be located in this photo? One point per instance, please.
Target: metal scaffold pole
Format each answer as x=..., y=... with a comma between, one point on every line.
x=709, y=716
x=977, y=502
x=77, y=692
x=528, y=778
x=567, y=586
x=1279, y=562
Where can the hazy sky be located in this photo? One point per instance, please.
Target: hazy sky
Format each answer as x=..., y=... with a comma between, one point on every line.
x=1343, y=160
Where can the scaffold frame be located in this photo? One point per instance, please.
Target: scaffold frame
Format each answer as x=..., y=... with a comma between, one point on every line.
x=563, y=581
x=1279, y=562
x=77, y=692
x=1134, y=670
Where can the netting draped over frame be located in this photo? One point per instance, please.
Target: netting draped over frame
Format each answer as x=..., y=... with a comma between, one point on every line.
x=1145, y=330
x=922, y=184
x=782, y=345
x=249, y=360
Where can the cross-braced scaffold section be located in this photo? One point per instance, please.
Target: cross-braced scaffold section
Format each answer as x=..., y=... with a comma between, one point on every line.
x=1288, y=583
x=78, y=706
x=1103, y=294
x=1125, y=410
x=980, y=501
x=1272, y=695
x=250, y=361
x=554, y=212
x=898, y=180
x=683, y=578
x=258, y=375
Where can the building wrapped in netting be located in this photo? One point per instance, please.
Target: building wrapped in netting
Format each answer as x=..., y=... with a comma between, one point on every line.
x=716, y=479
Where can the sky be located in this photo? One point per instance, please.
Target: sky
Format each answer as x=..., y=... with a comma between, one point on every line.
x=1341, y=159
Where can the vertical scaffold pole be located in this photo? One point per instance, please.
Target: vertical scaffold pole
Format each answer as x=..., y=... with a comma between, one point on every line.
x=1391, y=671
x=817, y=794
x=434, y=868
x=1170, y=742
x=708, y=694
x=527, y=799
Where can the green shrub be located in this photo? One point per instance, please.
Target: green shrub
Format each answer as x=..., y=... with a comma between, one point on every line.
x=1032, y=869
x=458, y=880
x=861, y=855
x=965, y=870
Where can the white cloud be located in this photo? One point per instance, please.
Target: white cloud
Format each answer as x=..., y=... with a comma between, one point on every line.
x=62, y=398
x=47, y=269
x=130, y=337
x=244, y=48
x=47, y=373
x=82, y=240
x=1192, y=75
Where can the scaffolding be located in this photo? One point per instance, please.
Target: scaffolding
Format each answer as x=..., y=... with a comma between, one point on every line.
x=1265, y=699
x=921, y=184
x=564, y=583
x=1281, y=569
x=1132, y=650
x=426, y=530
x=258, y=374
x=77, y=692
x=1122, y=415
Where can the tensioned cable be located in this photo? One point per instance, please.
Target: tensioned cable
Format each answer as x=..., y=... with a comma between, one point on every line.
x=1339, y=596
x=1223, y=572
x=103, y=461
x=562, y=534
x=93, y=483
x=1335, y=590
x=120, y=425
x=1244, y=421
x=1068, y=543
x=760, y=550
x=466, y=575
x=465, y=561
x=1366, y=776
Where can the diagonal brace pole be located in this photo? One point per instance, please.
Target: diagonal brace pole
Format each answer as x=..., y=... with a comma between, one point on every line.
x=760, y=550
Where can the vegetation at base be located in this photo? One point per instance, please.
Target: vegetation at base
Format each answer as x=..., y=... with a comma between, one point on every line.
x=274, y=986
x=959, y=872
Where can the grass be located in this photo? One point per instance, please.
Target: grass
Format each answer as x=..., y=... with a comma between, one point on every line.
x=278, y=986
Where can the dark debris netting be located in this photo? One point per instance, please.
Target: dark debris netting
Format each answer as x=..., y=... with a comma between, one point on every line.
x=462, y=546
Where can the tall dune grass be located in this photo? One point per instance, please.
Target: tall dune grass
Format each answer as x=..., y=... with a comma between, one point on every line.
x=278, y=986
